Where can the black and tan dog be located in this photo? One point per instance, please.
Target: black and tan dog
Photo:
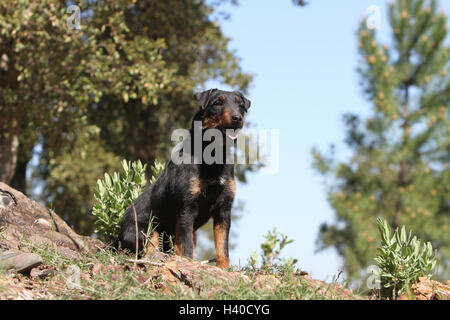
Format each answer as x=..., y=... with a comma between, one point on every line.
x=186, y=196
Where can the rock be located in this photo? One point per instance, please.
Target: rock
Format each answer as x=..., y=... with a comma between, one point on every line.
x=42, y=272
x=16, y=261
x=68, y=253
x=43, y=223
x=330, y=290
x=266, y=282
x=426, y=289
x=7, y=199
x=180, y=271
x=24, y=220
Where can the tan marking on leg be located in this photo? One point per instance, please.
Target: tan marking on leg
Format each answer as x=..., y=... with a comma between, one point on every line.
x=231, y=185
x=178, y=247
x=154, y=240
x=197, y=187
x=153, y=243
x=220, y=236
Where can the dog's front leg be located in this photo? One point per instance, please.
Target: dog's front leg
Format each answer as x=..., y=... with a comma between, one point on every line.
x=184, y=240
x=222, y=223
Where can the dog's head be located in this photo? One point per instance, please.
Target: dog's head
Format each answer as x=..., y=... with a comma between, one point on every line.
x=223, y=110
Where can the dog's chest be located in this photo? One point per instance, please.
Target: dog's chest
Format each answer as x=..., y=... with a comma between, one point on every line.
x=212, y=189
x=213, y=193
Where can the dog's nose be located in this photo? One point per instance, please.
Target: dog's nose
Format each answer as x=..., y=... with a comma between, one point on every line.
x=236, y=118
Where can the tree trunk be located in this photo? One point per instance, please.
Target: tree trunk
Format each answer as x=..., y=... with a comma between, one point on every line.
x=19, y=179
x=9, y=147
x=9, y=129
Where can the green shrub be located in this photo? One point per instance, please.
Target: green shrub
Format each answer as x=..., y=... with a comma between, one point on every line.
x=271, y=250
x=401, y=259
x=115, y=193
x=157, y=168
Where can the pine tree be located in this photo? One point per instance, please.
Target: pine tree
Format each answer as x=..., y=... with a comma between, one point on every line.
x=398, y=168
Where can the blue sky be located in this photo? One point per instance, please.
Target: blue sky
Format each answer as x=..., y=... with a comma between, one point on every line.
x=304, y=61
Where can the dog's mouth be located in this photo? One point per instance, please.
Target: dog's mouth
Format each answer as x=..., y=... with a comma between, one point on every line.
x=233, y=134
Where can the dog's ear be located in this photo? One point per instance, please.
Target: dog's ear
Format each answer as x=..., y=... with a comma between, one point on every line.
x=247, y=102
x=203, y=98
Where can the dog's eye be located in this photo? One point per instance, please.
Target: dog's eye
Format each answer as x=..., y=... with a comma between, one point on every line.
x=218, y=102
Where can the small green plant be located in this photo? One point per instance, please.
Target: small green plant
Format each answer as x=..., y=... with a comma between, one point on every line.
x=171, y=245
x=114, y=194
x=157, y=168
x=275, y=242
x=401, y=259
x=253, y=260
x=271, y=250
